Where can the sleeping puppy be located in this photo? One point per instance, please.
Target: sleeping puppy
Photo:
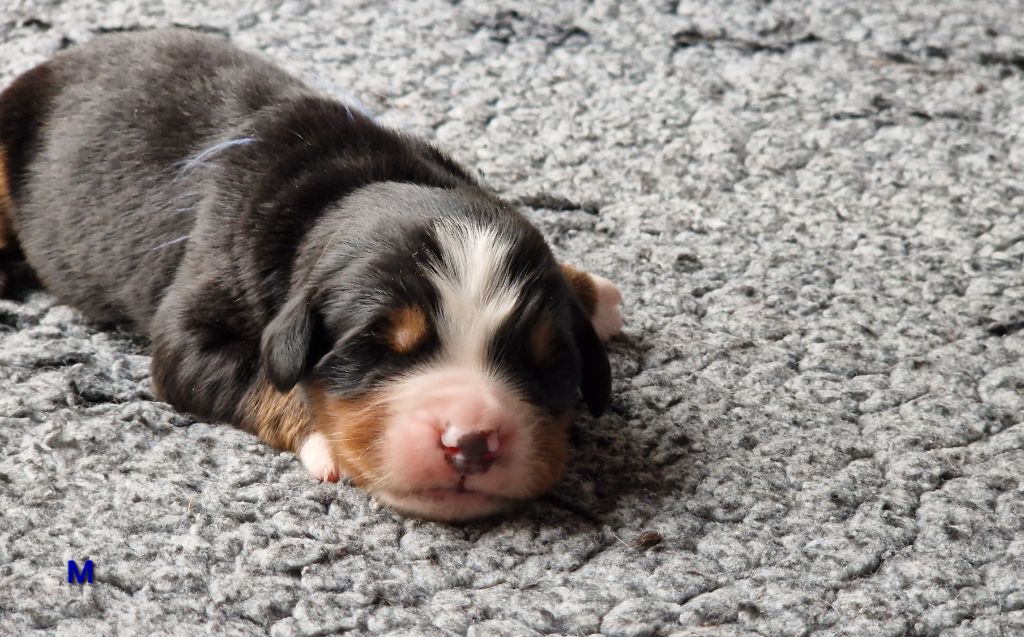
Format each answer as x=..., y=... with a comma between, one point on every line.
x=339, y=289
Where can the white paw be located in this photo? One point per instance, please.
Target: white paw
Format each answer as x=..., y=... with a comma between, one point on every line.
x=607, y=318
x=315, y=455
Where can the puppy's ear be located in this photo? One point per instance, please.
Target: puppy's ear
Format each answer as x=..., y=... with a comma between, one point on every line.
x=596, y=377
x=293, y=342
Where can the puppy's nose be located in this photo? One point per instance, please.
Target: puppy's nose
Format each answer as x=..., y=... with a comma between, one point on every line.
x=469, y=452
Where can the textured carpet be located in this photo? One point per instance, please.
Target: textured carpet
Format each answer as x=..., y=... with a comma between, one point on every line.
x=814, y=210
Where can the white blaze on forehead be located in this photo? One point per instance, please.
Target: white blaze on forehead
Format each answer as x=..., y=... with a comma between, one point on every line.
x=476, y=292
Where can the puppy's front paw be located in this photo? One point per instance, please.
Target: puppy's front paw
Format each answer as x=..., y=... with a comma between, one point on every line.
x=315, y=455
x=607, y=317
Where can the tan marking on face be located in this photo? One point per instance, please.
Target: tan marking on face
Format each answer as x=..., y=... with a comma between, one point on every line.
x=354, y=429
x=584, y=287
x=541, y=340
x=281, y=420
x=6, y=203
x=407, y=329
x=550, y=453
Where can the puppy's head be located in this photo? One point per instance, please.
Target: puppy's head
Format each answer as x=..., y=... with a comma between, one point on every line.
x=440, y=348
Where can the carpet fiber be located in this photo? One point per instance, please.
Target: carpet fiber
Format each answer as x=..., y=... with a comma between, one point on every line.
x=814, y=211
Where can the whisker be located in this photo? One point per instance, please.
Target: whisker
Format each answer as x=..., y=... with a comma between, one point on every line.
x=206, y=153
x=380, y=480
x=370, y=448
x=171, y=242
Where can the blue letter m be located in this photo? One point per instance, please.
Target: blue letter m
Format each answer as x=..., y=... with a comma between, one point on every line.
x=83, y=576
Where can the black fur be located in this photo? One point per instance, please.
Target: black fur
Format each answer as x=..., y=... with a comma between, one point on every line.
x=24, y=107
x=300, y=236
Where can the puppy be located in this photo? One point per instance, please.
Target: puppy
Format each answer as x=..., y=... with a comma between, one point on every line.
x=343, y=291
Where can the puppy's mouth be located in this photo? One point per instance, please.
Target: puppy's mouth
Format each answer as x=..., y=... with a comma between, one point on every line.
x=450, y=503
x=441, y=493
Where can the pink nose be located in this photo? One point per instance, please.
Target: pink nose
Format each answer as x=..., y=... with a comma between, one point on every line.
x=469, y=451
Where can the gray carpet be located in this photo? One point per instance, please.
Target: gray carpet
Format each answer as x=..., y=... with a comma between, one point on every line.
x=814, y=210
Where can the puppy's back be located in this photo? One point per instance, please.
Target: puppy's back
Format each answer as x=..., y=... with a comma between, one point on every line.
x=95, y=178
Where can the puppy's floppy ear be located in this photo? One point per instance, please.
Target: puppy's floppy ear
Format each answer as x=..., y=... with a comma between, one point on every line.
x=293, y=342
x=596, y=373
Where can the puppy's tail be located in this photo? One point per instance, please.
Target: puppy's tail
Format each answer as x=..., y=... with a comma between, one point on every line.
x=24, y=107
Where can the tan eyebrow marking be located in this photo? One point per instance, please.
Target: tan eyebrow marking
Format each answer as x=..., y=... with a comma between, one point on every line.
x=541, y=340
x=408, y=328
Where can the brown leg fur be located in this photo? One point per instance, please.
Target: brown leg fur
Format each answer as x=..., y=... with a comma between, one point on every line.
x=24, y=106
x=584, y=287
x=6, y=203
x=280, y=420
x=600, y=300
x=353, y=429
